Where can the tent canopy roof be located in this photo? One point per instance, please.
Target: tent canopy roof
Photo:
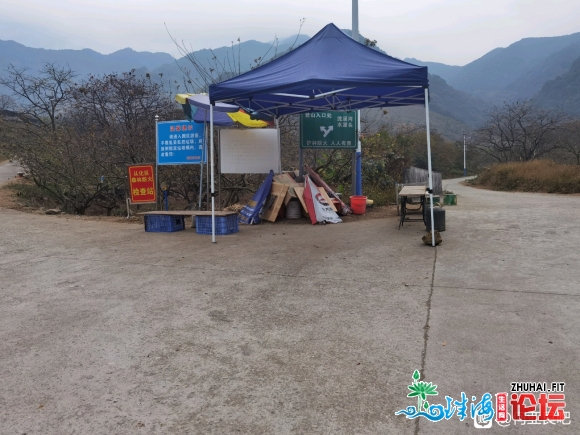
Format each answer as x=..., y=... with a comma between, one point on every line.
x=329, y=72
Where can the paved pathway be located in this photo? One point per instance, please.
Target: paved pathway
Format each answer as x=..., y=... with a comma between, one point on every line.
x=8, y=171
x=284, y=329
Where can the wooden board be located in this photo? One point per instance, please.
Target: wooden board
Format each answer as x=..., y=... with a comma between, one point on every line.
x=327, y=198
x=285, y=179
x=300, y=194
x=290, y=182
x=274, y=201
x=413, y=191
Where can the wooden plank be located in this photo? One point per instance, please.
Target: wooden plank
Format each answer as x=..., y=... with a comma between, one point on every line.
x=274, y=201
x=290, y=182
x=327, y=198
x=412, y=190
x=285, y=179
x=300, y=194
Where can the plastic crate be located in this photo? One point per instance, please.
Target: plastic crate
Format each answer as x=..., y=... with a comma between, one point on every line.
x=223, y=225
x=164, y=223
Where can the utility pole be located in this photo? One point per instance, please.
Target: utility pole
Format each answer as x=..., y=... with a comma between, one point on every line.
x=357, y=161
x=355, y=34
x=464, y=155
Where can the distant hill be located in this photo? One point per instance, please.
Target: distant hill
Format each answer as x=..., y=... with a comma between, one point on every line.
x=557, y=64
x=461, y=96
x=491, y=77
x=455, y=104
x=446, y=72
x=563, y=92
x=84, y=62
x=449, y=128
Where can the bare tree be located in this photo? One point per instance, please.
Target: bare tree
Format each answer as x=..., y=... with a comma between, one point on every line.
x=519, y=131
x=44, y=97
x=204, y=72
x=569, y=139
x=7, y=103
x=106, y=123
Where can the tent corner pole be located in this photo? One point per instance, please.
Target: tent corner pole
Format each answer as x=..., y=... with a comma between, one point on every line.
x=358, y=156
x=201, y=165
x=279, y=145
x=212, y=174
x=156, y=162
x=429, y=165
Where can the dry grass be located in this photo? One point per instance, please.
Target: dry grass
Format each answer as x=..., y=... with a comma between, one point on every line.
x=535, y=176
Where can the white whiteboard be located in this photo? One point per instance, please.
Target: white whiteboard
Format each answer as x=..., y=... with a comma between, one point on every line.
x=249, y=151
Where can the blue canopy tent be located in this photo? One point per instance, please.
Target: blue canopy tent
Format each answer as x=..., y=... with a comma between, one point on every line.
x=329, y=72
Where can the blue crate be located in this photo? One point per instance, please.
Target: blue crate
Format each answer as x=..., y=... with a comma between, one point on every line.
x=158, y=223
x=223, y=225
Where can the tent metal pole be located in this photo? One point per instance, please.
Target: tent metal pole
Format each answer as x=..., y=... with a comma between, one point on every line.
x=279, y=145
x=207, y=183
x=357, y=160
x=212, y=174
x=156, y=162
x=358, y=156
x=353, y=173
x=218, y=167
x=202, y=163
x=429, y=165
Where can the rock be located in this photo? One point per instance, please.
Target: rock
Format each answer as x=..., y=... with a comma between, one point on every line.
x=52, y=211
x=428, y=241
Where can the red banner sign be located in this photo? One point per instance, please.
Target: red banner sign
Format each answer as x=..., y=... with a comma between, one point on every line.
x=142, y=184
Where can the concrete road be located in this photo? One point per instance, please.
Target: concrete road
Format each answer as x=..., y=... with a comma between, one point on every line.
x=285, y=329
x=8, y=171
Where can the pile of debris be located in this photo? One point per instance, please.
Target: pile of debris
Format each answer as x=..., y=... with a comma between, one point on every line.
x=283, y=195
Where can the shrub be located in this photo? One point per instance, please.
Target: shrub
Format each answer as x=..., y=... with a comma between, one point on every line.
x=533, y=176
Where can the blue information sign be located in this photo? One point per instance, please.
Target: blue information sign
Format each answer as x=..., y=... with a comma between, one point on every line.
x=180, y=143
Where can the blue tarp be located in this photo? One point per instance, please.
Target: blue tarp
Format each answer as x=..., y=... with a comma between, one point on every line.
x=193, y=113
x=329, y=72
x=219, y=118
x=250, y=214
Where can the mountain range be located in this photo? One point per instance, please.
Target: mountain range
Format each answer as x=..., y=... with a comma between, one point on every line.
x=546, y=70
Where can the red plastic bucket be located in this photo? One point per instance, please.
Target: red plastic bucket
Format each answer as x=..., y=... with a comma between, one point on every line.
x=358, y=204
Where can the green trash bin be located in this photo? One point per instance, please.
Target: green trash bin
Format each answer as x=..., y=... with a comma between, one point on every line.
x=450, y=199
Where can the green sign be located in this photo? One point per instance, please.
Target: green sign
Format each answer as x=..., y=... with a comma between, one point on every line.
x=329, y=130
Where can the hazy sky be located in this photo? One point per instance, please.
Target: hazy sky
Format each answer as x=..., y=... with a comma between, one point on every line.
x=450, y=31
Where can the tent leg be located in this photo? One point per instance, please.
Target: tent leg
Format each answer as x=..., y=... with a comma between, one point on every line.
x=279, y=146
x=429, y=165
x=353, y=174
x=156, y=161
x=219, y=171
x=358, y=157
x=212, y=175
x=201, y=166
